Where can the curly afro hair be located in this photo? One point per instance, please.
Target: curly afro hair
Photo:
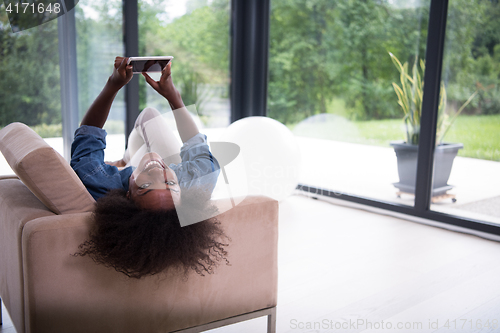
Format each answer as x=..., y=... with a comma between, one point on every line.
x=139, y=242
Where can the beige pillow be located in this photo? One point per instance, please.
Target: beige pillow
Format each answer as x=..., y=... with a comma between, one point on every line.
x=44, y=171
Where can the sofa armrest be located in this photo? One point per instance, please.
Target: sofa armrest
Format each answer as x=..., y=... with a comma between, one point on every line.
x=18, y=206
x=64, y=293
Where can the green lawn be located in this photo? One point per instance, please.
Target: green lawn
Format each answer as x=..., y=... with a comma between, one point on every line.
x=480, y=135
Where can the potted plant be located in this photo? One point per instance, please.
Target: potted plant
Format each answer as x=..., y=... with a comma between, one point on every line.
x=410, y=94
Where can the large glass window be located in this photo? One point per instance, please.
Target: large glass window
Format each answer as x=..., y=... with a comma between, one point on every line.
x=196, y=33
x=99, y=36
x=29, y=81
x=331, y=81
x=469, y=120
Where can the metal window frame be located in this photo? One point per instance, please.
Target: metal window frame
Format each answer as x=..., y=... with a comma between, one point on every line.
x=430, y=103
x=249, y=57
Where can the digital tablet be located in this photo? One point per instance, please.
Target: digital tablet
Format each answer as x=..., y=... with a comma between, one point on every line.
x=148, y=64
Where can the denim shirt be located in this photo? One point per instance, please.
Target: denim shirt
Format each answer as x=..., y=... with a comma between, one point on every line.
x=198, y=167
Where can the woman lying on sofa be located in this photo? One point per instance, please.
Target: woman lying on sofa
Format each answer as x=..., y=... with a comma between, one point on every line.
x=153, y=214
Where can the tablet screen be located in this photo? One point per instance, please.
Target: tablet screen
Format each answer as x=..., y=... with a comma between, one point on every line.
x=139, y=66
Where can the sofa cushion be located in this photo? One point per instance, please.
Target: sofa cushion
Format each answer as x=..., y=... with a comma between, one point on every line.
x=44, y=171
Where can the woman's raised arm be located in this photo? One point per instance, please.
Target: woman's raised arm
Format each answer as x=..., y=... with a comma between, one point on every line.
x=185, y=124
x=98, y=112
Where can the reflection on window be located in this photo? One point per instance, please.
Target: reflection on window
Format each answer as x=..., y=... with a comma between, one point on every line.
x=99, y=37
x=196, y=33
x=29, y=80
x=99, y=41
x=29, y=87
